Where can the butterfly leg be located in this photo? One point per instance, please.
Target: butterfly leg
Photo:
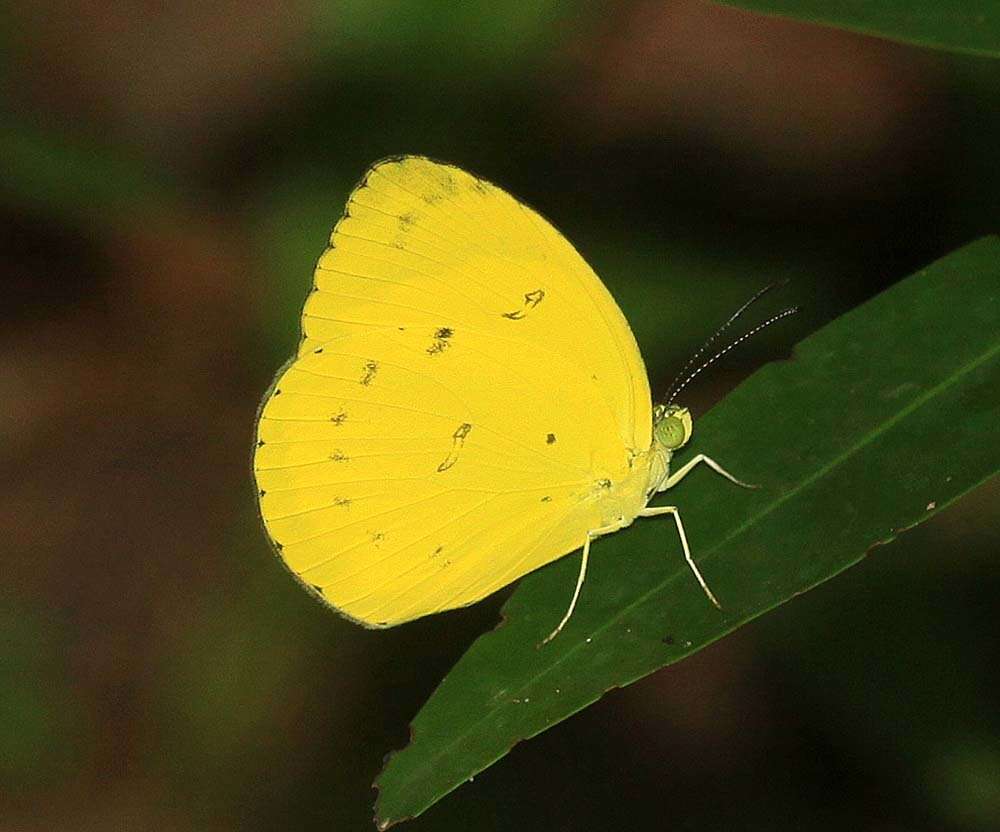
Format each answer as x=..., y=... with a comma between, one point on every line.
x=672, y=510
x=579, y=580
x=675, y=478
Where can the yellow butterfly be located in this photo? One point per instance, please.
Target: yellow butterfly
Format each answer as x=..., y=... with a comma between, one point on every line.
x=467, y=404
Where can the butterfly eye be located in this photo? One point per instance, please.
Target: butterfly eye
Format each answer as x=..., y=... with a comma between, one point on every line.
x=674, y=429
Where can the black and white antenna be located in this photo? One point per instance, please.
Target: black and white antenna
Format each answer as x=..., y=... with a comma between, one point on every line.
x=677, y=385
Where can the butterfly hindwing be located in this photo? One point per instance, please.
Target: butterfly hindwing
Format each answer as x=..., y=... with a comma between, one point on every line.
x=401, y=479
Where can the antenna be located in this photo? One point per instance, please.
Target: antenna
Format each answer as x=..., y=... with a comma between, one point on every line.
x=783, y=314
x=671, y=391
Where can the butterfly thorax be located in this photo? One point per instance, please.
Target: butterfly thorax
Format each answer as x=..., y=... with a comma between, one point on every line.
x=620, y=500
x=659, y=468
x=621, y=497
x=622, y=494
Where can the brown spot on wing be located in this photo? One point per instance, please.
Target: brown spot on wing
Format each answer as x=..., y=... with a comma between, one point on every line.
x=531, y=300
x=440, y=343
x=457, y=441
x=370, y=371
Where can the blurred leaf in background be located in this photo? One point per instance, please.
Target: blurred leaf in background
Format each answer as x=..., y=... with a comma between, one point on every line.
x=958, y=25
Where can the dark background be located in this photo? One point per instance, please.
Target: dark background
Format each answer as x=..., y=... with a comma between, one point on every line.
x=170, y=175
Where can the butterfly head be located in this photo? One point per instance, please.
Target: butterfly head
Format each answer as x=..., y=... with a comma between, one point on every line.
x=672, y=426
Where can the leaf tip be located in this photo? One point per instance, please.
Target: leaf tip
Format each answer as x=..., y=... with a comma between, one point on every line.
x=381, y=819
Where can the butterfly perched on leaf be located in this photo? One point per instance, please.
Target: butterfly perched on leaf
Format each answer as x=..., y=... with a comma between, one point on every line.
x=467, y=404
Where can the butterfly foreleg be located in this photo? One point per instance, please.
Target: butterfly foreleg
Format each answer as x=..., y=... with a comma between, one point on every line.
x=684, y=470
x=672, y=510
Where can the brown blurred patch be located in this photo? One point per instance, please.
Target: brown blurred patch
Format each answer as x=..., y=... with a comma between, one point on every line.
x=127, y=431
x=706, y=713
x=763, y=90
x=174, y=78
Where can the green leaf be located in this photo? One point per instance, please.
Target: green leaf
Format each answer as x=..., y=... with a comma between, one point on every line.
x=971, y=26
x=881, y=419
x=81, y=179
x=450, y=41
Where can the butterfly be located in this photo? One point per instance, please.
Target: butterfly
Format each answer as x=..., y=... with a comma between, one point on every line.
x=467, y=404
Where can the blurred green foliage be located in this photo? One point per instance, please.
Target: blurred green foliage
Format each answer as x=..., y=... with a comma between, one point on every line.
x=80, y=178
x=43, y=727
x=450, y=44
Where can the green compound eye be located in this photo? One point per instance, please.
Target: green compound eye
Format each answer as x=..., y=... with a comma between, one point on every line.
x=673, y=428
